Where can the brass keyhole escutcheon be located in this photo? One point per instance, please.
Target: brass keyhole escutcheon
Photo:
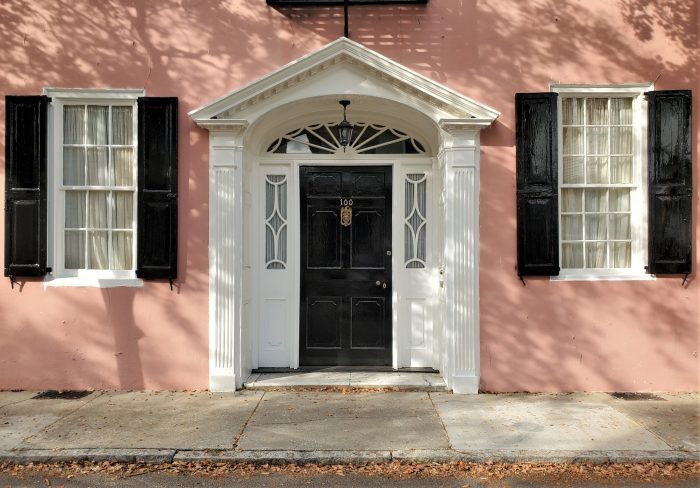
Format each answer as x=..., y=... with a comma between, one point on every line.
x=346, y=212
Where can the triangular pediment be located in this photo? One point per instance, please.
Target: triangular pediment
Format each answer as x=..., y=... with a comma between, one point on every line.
x=341, y=67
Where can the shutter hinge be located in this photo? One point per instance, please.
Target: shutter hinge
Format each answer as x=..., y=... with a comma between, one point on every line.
x=685, y=279
x=171, y=283
x=520, y=277
x=13, y=280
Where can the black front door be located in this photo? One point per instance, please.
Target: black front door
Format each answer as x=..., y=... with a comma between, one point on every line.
x=345, y=266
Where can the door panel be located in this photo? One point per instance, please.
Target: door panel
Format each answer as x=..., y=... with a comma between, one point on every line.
x=345, y=312
x=323, y=238
x=367, y=317
x=324, y=319
x=368, y=239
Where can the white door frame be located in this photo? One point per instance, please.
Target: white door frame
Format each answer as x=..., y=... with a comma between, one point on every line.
x=401, y=278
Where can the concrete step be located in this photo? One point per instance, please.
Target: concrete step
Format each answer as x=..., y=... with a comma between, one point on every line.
x=318, y=380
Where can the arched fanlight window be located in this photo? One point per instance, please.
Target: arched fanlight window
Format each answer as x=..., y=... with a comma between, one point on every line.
x=366, y=139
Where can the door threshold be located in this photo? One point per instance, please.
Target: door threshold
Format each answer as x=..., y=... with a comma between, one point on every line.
x=345, y=369
x=343, y=379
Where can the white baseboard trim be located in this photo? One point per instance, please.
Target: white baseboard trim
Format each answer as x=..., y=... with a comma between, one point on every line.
x=222, y=382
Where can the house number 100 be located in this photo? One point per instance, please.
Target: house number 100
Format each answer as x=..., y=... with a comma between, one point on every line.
x=345, y=201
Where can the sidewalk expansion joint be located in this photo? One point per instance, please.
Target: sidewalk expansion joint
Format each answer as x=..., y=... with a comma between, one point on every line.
x=237, y=438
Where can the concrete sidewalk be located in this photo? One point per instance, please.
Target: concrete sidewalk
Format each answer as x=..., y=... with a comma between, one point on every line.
x=352, y=427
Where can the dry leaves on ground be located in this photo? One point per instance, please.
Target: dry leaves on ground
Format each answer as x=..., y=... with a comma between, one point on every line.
x=490, y=470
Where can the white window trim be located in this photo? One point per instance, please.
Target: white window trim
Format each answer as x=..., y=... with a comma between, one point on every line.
x=60, y=277
x=638, y=198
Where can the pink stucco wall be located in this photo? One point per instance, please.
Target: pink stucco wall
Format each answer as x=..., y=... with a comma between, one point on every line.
x=543, y=337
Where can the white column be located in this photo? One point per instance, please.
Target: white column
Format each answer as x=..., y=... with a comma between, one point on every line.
x=225, y=256
x=460, y=156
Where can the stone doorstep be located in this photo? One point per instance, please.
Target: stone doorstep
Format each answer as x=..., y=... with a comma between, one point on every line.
x=166, y=456
x=391, y=381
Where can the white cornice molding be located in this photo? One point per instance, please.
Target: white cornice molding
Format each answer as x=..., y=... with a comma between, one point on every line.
x=221, y=125
x=344, y=50
x=456, y=125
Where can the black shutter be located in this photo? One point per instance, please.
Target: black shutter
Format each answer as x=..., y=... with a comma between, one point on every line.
x=537, y=183
x=157, y=188
x=670, y=182
x=25, y=185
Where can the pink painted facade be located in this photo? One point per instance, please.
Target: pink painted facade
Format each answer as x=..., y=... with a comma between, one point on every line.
x=547, y=336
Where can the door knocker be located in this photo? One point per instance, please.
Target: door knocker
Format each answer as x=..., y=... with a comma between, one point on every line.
x=345, y=212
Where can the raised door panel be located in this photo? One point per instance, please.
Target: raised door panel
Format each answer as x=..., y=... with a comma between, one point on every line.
x=323, y=238
x=367, y=318
x=368, y=239
x=323, y=322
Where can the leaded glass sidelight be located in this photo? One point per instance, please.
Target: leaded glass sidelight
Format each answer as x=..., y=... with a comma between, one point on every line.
x=275, y=221
x=415, y=220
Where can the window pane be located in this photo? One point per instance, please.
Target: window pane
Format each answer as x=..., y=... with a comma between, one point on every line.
x=621, y=140
x=97, y=209
x=596, y=227
x=572, y=227
x=122, y=126
x=123, y=166
x=621, y=111
x=571, y=200
x=572, y=111
x=596, y=141
x=74, y=249
x=74, y=166
x=74, y=124
x=620, y=226
x=596, y=200
x=573, y=141
x=98, y=166
x=122, y=216
x=597, y=111
x=97, y=124
x=621, y=255
x=596, y=255
x=596, y=170
x=122, y=250
x=75, y=209
x=620, y=200
x=97, y=250
x=572, y=255
x=573, y=169
x=621, y=170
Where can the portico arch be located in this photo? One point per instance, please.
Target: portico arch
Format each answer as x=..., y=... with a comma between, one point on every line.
x=243, y=123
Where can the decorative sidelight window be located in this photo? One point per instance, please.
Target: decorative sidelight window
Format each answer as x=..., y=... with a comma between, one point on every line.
x=275, y=221
x=415, y=221
x=366, y=139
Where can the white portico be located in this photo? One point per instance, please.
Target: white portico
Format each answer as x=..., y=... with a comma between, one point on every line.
x=260, y=137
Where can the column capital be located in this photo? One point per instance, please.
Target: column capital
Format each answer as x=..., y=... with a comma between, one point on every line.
x=231, y=129
x=461, y=133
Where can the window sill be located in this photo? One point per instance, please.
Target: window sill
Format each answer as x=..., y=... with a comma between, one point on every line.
x=604, y=277
x=85, y=282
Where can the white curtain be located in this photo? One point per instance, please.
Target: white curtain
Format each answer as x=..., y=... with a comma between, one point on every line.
x=98, y=223
x=597, y=149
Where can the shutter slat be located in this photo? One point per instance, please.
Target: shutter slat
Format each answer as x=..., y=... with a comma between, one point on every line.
x=157, y=188
x=537, y=184
x=25, y=185
x=670, y=182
